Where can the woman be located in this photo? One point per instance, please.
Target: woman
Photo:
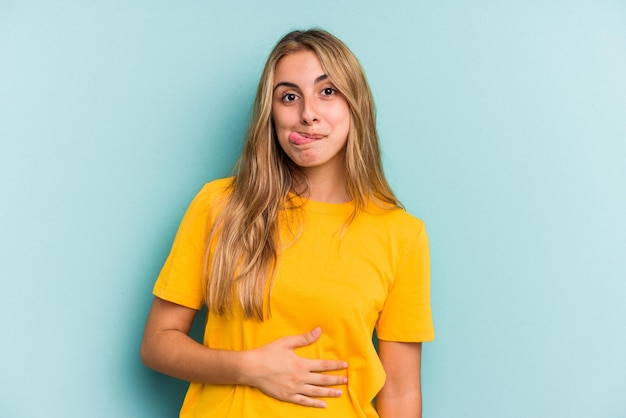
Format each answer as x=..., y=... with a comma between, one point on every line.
x=298, y=258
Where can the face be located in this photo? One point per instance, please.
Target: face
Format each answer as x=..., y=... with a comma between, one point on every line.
x=311, y=117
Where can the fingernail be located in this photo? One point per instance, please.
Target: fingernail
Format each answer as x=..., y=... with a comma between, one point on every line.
x=338, y=393
x=322, y=404
x=345, y=364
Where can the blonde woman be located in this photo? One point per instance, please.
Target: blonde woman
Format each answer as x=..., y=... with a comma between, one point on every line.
x=299, y=258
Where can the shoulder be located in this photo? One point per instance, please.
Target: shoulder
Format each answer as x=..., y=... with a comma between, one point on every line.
x=211, y=198
x=396, y=219
x=394, y=228
x=404, y=218
x=217, y=188
x=214, y=191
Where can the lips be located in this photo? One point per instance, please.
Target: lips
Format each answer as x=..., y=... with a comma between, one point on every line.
x=299, y=138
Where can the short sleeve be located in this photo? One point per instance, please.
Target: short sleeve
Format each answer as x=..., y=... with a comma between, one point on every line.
x=181, y=278
x=407, y=314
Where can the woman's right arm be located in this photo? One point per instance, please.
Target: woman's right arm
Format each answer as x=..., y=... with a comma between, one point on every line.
x=274, y=369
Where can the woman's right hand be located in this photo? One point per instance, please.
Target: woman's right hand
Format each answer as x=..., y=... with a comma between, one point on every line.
x=277, y=371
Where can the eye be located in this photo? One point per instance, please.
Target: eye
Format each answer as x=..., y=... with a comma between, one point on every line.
x=329, y=91
x=288, y=98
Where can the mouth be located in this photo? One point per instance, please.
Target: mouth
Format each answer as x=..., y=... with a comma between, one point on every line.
x=302, y=138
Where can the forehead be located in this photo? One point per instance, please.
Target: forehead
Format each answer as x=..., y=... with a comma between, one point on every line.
x=302, y=66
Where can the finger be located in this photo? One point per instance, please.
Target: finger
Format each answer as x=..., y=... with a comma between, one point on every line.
x=326, y=365
x=320, y=380
x=306, y=401
x=305, y=339
x=313, y=391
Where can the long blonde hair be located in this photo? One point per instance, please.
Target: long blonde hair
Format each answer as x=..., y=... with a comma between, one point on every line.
x=243, y=248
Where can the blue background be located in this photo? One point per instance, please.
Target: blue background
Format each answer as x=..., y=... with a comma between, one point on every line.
x=503, y=127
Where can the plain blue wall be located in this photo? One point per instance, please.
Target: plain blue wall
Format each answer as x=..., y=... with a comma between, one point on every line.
x=503, y=126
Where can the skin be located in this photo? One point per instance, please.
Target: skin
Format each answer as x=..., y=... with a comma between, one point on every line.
x=274, y=368
x=401, y=396
x=307, y=103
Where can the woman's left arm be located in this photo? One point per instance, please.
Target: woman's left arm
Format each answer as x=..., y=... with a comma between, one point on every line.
x=401, y=395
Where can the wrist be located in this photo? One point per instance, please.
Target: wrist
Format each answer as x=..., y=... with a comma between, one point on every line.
x=244, y=364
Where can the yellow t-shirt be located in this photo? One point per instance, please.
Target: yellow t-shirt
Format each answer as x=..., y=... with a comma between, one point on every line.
x=375, y=274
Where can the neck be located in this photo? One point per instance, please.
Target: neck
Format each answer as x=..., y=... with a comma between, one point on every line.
x=325, y=185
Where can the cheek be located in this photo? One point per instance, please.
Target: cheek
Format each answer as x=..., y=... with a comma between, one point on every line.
x=343, y=118
x=283, y=118
x=277, y=112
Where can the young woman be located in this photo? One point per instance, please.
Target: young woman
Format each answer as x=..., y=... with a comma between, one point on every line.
x=299, y=257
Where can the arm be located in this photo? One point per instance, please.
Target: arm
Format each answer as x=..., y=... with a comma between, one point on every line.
x=274, y=368
x=401, y=395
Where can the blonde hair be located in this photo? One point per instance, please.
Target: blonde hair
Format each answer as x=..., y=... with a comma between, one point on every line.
x=243, y=249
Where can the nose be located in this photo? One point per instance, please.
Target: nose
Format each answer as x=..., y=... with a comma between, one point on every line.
x=309, y=113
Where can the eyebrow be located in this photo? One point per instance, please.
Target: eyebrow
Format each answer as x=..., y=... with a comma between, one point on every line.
x=295, y=86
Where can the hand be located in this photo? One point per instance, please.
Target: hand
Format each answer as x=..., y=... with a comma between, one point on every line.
x=277, y=371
